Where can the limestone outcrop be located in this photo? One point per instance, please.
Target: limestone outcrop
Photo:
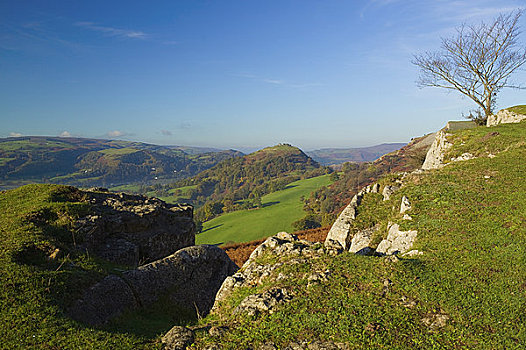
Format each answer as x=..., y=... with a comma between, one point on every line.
x=253, y=273
x=435, y=154
x=190, y=278
x=504, y=116
x=397, y=241
x=128, y=229
x=341, y=229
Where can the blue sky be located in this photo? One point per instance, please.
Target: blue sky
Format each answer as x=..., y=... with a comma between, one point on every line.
x=236, y=74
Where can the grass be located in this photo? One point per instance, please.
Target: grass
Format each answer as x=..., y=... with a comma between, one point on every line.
x=35, y=291
x=280, y=209
x=471, y=222
x=521, y=109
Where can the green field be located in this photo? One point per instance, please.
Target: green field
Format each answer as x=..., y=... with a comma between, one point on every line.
x=280, y=209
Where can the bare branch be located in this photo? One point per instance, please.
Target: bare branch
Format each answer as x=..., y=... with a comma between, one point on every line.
x=477, y=62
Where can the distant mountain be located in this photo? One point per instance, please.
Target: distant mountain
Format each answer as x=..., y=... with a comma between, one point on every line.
x=330, y=156
x=238, y=183
x=93, y=162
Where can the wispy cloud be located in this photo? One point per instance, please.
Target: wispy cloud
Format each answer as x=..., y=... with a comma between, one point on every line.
x=65, y=134
x=166, y=132
x=277, y=82
x=112, y=31
x=15, y=134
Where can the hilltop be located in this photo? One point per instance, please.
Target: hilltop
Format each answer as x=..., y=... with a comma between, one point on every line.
x=93, y=162
x=238, y=183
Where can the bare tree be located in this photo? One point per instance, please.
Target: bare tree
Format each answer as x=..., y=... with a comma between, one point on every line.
x=477, y=62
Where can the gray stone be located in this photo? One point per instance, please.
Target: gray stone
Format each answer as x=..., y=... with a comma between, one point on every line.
x=504, y=116
x=463, y=156
x=190, y=277
x=178, y=338
x=119, y=251
x=254, y=273
x=104, y=301
x=341, y=229
x=405, y=205
x=435, y=155
x=397, y=242
x=435, y=321
x=361, y=242
x=267, y=301
x=388, y=191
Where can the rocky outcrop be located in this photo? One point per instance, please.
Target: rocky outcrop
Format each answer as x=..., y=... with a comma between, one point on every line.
x=190, y=278
x=341, y=229
x=361, y=241
x=128, y=229
x=397, y=242
x=435, y=154
x=504, y=116
x=253, y=273
x=263, y=302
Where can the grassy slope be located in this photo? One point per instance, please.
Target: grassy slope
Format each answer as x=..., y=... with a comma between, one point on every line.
x=471, y=219
x=280, y=210
x=34, y=291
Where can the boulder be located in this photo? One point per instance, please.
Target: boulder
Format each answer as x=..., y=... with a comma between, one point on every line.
x=190, y=277
x=341, y=229
x=128, y=229
x=178, y=338
x=397, y=242
x=105, y=300
x=504, y=116
x=361, y=242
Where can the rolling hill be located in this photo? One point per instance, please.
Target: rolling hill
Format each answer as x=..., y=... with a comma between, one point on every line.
x=92, y=162
x=238, y=183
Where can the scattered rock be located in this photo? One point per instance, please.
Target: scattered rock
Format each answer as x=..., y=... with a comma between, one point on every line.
x=435, y=321
x=411, y=253
x=504, y=116
x=318, y=277
x=407, y=217
x=397, y=242
x=463, y=156
x=405, y=205
x=217, y=331
x=389, y=190
x=178, y=338
x=407, y=302
x=263, y=302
